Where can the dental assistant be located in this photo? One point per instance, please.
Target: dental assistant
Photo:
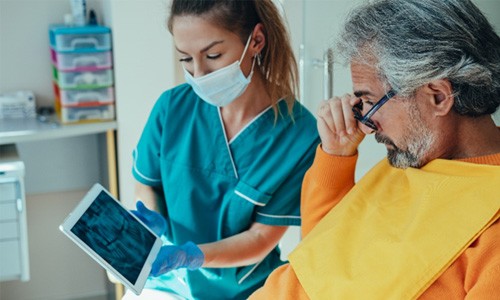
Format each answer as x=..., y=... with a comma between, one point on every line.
x=220, y=162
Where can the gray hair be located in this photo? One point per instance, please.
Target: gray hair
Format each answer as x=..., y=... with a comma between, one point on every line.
x=414, y=42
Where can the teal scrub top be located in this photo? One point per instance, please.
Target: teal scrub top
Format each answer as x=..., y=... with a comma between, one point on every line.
x=215, y=188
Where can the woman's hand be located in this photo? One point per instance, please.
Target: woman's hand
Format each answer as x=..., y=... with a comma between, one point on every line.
x=152, y=219
x=173, y=257
x=339, y=131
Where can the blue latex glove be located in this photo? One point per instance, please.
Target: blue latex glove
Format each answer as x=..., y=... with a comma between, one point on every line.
x=151, y=218
x=173, y=257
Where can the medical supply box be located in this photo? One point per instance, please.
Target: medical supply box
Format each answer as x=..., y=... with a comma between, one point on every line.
x=82, y=73
x=17, y=104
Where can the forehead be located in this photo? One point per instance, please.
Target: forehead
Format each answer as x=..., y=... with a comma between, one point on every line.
x=365, y=78
x=194, y=32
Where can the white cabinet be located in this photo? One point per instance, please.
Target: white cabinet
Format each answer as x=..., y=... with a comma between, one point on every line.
x=14, y=259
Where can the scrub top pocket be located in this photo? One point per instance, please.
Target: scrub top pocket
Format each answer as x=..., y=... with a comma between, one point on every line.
x=241, y=208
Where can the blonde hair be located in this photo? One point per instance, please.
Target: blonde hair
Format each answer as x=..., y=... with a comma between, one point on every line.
x=278, y=64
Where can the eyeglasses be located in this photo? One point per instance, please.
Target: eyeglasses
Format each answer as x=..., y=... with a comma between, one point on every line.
x=366, y=119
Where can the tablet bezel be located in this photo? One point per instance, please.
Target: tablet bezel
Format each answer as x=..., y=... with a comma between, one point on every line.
x=79, y=211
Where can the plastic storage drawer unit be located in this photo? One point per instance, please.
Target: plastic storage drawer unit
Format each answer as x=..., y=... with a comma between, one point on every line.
x=86, y=97
x=79, y=39
x=82, y=73
x=87, y=113
x=81, y=61
x=83, y=79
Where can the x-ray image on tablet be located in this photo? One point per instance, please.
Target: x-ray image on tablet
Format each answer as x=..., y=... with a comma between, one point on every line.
x=114, y=237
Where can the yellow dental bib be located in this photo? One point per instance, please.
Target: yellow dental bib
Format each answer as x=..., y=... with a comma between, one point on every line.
x=397, y=231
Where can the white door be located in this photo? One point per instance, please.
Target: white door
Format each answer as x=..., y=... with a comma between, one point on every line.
x=314, y=25
x=491, y=8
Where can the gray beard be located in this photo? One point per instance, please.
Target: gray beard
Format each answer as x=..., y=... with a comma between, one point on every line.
x=419, y=140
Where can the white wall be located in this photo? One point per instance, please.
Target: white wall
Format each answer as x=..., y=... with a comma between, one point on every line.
x=144, y=68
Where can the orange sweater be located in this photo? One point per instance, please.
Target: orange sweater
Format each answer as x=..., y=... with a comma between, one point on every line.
x=474, y=275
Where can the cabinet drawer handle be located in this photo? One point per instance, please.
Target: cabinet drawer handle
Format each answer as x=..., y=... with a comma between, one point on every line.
x=84, y=42
x=19, y=204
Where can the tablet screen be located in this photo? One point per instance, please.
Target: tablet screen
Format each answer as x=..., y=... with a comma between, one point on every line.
x=115, y=235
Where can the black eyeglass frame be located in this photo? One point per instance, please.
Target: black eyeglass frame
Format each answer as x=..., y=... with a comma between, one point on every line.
x=366, y=119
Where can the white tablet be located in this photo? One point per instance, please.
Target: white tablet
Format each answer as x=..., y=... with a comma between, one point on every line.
x=113, y=237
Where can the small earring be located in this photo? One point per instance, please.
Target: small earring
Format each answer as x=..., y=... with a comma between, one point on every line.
x=258, y=55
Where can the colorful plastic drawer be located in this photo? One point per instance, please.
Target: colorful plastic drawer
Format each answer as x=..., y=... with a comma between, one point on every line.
x=80, y=39
x=83, y=79
x=87, y=97
x=81, y=61
x=86, y=113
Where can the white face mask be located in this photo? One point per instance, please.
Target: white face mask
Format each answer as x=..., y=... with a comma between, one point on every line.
x=222, y=86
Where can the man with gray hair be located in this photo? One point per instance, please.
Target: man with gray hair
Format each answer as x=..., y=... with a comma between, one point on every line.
x=423, y=223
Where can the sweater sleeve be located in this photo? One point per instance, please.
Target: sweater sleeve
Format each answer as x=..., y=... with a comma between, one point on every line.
x=325, y=184
x=483, y=271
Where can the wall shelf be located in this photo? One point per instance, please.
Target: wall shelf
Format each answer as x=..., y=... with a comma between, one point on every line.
x=26, y=130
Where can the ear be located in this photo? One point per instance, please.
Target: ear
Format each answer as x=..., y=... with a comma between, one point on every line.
x=258, y=39
x=440, y=96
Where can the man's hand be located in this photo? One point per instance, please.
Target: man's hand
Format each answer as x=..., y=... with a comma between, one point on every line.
x=339, y=131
